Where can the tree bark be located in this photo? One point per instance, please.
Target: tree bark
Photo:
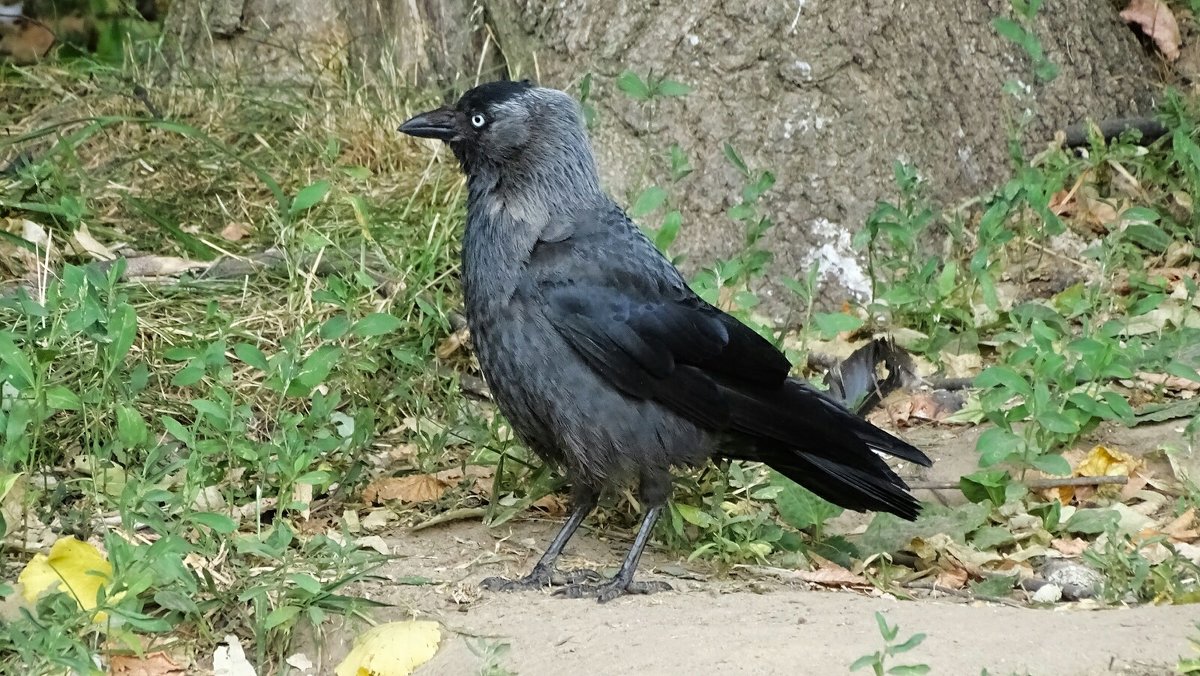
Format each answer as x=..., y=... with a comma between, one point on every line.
x=418, y=42
x=828, y=95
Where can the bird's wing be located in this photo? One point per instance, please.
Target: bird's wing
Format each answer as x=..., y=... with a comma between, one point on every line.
x=677, y=351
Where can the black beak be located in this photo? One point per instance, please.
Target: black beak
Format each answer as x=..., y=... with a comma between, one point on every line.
x=441, y=124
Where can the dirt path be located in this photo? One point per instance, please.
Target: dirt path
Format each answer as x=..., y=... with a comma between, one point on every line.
x=728, y=624
x=725, y=625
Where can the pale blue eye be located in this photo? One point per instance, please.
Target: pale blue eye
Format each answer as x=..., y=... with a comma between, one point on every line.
x=478, y=120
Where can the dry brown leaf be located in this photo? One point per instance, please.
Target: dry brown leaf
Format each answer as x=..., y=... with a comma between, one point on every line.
x=234, y=231
x=413, y=488
x=1157, y=22
x=151, y=664
x=830, y=574
x=1168, y=382
x=1183, y=527
x=452, y=343
x=954, y=578
x=89, y=245
x=25, y=42
x=551, y=504
x=1072, y=547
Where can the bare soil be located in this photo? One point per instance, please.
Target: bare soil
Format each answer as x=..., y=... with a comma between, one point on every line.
x=736, y=622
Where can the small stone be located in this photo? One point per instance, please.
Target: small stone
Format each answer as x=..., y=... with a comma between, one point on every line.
x=1076, y=580
x=1050, y=593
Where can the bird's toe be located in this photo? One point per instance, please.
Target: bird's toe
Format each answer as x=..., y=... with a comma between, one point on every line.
x=612, y=589
x=577, y=576
x=505, y=584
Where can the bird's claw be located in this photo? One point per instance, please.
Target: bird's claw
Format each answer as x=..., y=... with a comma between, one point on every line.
x=612, y=589
x=542, y=579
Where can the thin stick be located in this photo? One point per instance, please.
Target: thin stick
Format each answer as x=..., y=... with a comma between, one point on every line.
x=1036, y=484
x=935, y=587
x=450, y=516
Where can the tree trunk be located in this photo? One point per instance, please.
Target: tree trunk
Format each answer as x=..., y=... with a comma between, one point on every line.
x=419, y=42
x=828, y=95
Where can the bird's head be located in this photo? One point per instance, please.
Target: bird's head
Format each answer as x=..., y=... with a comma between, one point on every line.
x=510, y=128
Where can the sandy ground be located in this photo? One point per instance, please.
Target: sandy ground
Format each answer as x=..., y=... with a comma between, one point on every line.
x=734, y=624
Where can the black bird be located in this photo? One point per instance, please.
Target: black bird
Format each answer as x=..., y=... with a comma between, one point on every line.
x=603, y=360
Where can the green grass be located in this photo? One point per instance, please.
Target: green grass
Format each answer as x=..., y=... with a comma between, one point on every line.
x=210, y=429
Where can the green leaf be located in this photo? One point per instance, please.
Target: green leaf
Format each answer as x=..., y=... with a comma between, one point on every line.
x=830, y=324
x=188, y=375
x=912, y=642
x=251, y=355
x=864, y=661
x=991, y=537
x=651, y=199
x=799, y=507
x=175, y=600
x=1148, y=236
x=280, y=615
x=131, y=428
x=1056, y=422
x=909, y=669
x=335, y=327
x=669, y=231
x=1010, y=30
x=1003, y=376
x=1092, y=521
x=887, y=632
x=889, y=533
x=376, y=324
x=985, y=485
x=60, y=398
x=122, y=329
x=735, y=159
x=1052, y=464
x=308, y=197
x=1120, y=405
x=996, y=445
x=13, y=356
x=317, y=366
x=994, y=586
x=218, y=522
x=694, y=516
x=672, y=88
x=306, y=582
x=633, y=85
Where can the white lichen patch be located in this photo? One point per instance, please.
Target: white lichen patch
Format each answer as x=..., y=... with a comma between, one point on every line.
x=837, y=259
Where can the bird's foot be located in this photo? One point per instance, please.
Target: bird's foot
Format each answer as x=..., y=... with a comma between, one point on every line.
x=540, y=579
x=612, y=589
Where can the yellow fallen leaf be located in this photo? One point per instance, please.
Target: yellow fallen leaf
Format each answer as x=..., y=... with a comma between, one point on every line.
x=393, y=649
x=1100, y=461
x=79, y=567
x=1105, y=461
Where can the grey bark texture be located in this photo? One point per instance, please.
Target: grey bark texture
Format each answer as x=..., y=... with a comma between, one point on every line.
x=827, y=94
x=415, y=41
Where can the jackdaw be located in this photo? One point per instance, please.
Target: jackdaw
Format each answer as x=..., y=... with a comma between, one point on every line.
x=601, y=357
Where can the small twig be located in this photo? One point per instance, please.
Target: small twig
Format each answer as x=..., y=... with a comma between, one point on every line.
x=451, y=516
x=930, y=585
x=1036, y=484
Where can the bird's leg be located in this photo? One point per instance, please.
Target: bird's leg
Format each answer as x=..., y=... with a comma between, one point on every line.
x=543, y=573
x=623, y=582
